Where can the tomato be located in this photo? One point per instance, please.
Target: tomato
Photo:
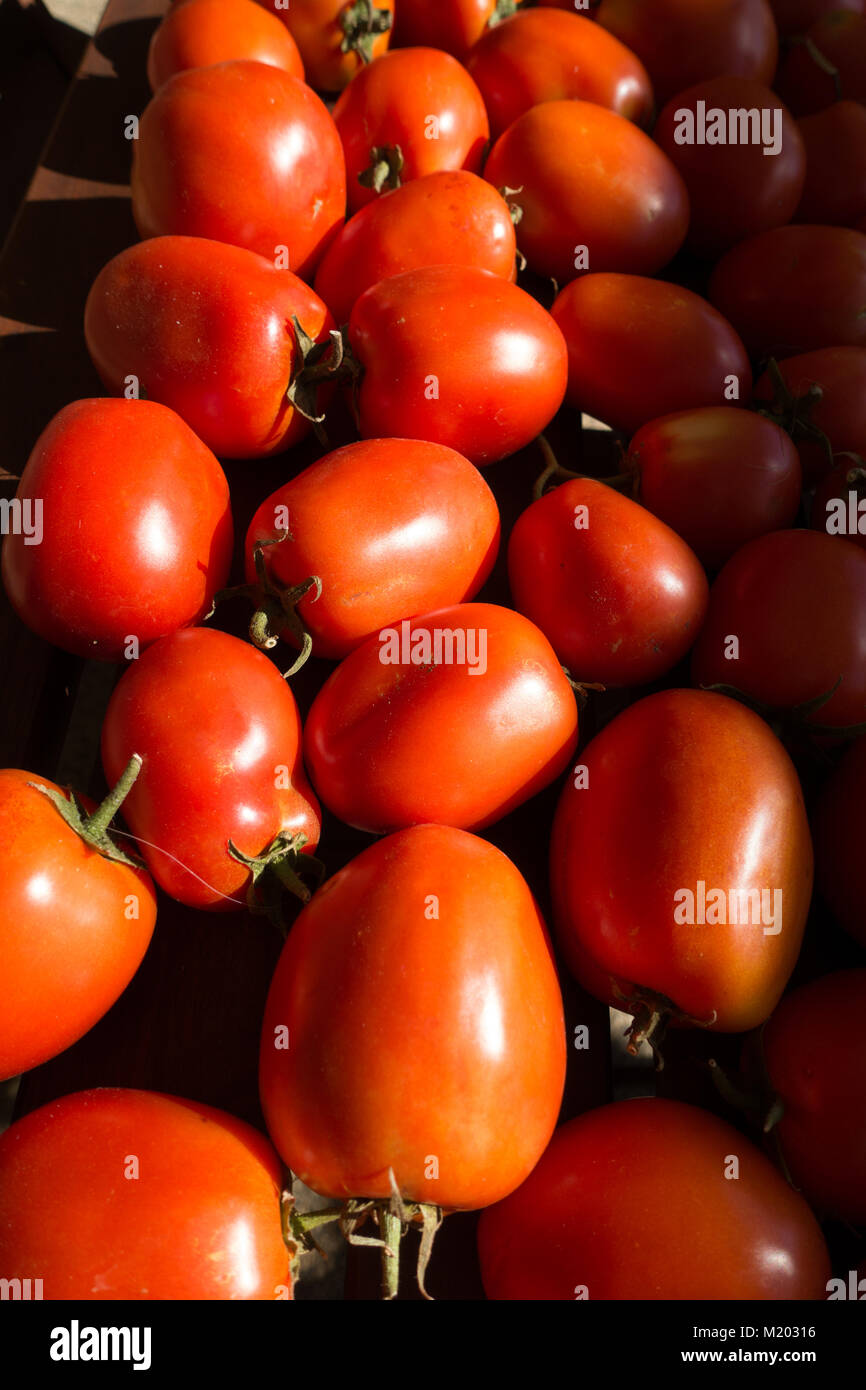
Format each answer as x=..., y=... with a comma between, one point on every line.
x=826, y=390
x=840, y=39
x=688, y=818
x=245, y=153
x=545, y=55
x=449, y=218
x=835, y=188
x=641, y=348
x=635, y=1201
x=456, y=356
x=199, y=33
x=455, y=716
x=839, y=826
x=419, y=100
x=453, y=25
x=136, y=530
x=594, y=192
x=795, y=601
x=839, y=504
x=642, y=591
x=795, y=16
x=219, y=735
x=718, y=476
x=160, y=1198
x=457, y=1053
x=206, y=329
x=423, y=534
x=336, y=37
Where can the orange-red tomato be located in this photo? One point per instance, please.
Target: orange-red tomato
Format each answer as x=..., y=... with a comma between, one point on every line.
x=199, y=33
x=335, y=37
x=454, y=25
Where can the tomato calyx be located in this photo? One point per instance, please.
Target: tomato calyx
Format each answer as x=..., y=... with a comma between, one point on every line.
x=793, y=413
x=820, y=60
x=362, y=22
x=582, y=688
x=555, y=473
x=788, y=724
x=275, y=607
x=503, y=9
x=759, y=1100
x=384, y=169
x=653, y=1014
x=276, y=870
x=93, y=829
x=393, y=1216
x=314, y=363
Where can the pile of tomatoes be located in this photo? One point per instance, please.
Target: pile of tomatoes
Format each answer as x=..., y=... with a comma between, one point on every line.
x=412, y=253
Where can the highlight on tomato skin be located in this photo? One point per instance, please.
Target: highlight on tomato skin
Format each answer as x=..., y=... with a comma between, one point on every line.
x=200, y=33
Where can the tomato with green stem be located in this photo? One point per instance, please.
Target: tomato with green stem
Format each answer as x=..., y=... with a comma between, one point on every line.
x=820, y=399
x=452, y=25
x=336, y=38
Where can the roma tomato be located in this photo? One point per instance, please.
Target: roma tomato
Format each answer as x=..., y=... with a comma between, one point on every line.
x=804, y=83
x=199, y=33
x=206, y=329
x=455, y=716
x=633, y=1201
x=336, y=38
x=820, y=398
x=594, y=192
x=136, y=528
x=219, y=735
x=454, y=25
x=257, y=131
x=200, y=1220
x=795, y=16
x=839, y=504
x=839, y=826
x=640, y=348
x=835, y=189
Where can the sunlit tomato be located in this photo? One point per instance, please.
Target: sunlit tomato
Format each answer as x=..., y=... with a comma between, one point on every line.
x=219, y=735
x=594, y=192
x=160, y=1198
x=839, y=504
x=424, y=1018
x=454, y=25
x=635, y=1201
x=455, y=716
x=244, y=153
x=449, y=218
x=640, y=348
x=795, y=16
x=199, y=33
x=835, y=187
x=718, y=476
x=839, y=38
x=457, y=356
x=419, y=100
x=336, y=37
x=206, y=329
x=840, y=827
x=826, y=389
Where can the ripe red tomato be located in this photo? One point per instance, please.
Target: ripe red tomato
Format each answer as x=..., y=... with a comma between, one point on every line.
x=839, y=826
x=454, y=25
x=640, y=348
x=840, y=39
x=420, y=100
x=455, y=716
x=450, y=1073
x=336, y=37
x=136, y=529
x=594, y=192
x=835, y=189
x=457, y=356
x=826, y=389
x=449, y=218
x=244, y=153
x=160, y=1198
x=206, y=329
x=687, y=804
x=219, y=735
x=199, y=33
x=795, y=16
x=639, y=1200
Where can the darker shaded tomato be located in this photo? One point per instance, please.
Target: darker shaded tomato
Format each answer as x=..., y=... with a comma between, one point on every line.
x=199, y=1220
x=219, y=735
x=840, y=40
x=840, y=830
x=458, y=730
x=825, y=389
x=457, y=356
x=336, y=37
x=795, y=16
x=453, y=25
x=458, y=1052
x=839, y=504
x=632, y=1201
x=594, y=191
x=199, y=33
x=640, y=348
x=136, y=532
x=206, y=329
x=835, y=188
x=243, y=153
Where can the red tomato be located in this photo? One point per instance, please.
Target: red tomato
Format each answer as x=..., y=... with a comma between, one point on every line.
x=835, y=188
x=641, y=348
x=840, y=826
x=457, y=356
x=449, y=218
x=456, y=716
x=336, y=37
x=199, y=33
x=419, y=100
x=160, y=1198
x=454, y=25
x=635, y=1201
x=687, y=804
x=424, y=534
x=825, y=390
x=207, y=330
x=457, y=1055
x=244, y=153
x=594, y=192
x=795, y=16
x=839, y=38
x=219, y=735
x=136, y=536
x=719, y=477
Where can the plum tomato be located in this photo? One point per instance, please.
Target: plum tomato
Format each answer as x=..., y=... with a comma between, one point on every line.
x=820, y=399
x=336, y=38
x=829, y=67
x=200, y=33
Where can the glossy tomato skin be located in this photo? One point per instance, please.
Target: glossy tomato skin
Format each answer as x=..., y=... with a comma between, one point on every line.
x=318, y=28
x=391, y=744
x=199, y=1220
x=839, y=826
x=685, y=787
x=631, y=1201
x=837, y=378
x=453, y=25
x=840, y=38
x=457, y=356
x=835, y=189
x=459, y=1052
x=393, y=102
x=719, y=477
x=448, y=218
x=619, y=596
x=200, y=33
x=257, y=131
x=640, y=348
x=206, y=329
x=219, y=734
x=391, y=527
x=587, y=178
x=136, y=532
